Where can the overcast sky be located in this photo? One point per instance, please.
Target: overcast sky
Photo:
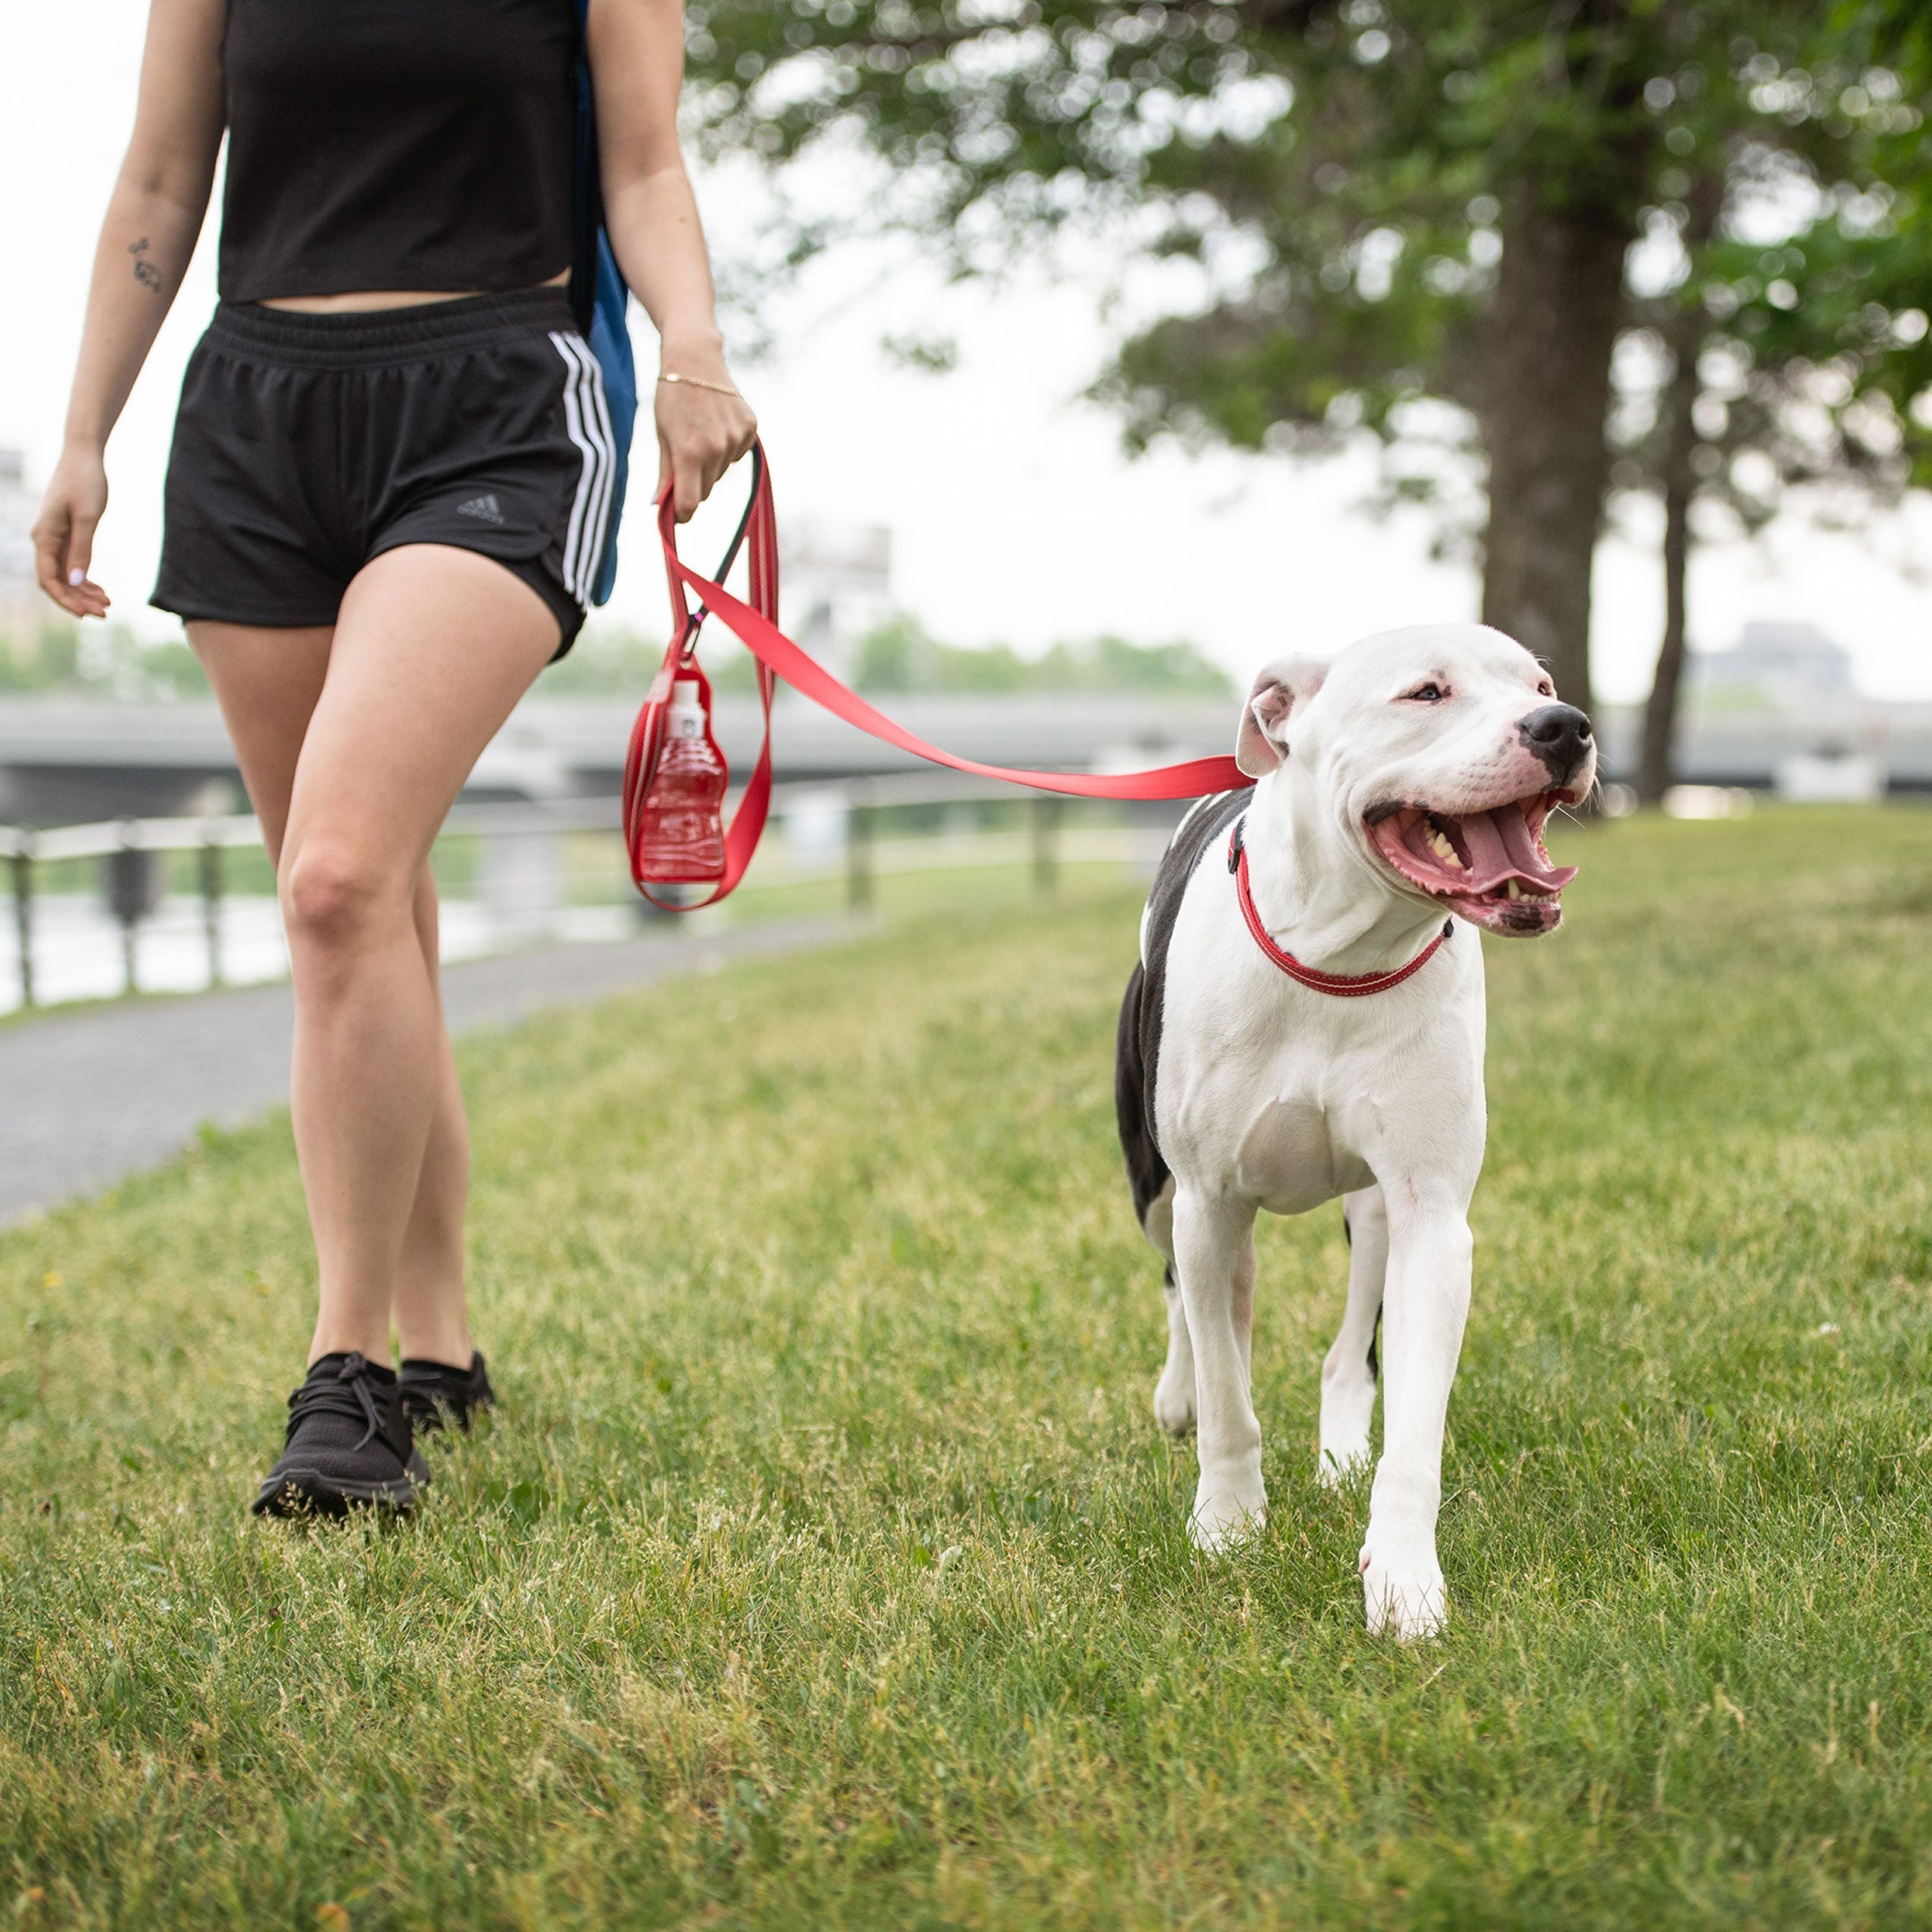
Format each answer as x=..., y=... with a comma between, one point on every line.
x=1014, y=513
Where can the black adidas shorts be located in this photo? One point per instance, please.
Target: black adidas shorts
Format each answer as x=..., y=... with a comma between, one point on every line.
x=306, y=445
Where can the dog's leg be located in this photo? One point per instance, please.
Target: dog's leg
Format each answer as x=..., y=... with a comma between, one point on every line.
x=1348, y=1374
x=1174, y=1394
x=1214, y=1257
x=1426, y=1301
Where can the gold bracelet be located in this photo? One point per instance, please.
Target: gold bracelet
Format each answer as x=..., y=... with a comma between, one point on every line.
x=699, y=383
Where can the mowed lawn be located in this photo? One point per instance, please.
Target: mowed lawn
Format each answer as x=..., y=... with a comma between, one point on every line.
x=824, y=1565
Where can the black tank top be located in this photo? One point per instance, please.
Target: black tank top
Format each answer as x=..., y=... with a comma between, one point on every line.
x=401, y=144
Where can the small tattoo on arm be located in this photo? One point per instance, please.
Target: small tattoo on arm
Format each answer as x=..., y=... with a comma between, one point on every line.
x=145, y=273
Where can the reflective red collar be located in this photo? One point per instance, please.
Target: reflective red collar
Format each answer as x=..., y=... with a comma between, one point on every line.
x=1343, y=985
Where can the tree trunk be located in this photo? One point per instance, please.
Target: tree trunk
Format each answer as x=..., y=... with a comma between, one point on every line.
x=1545, y=392
x=1654, y=769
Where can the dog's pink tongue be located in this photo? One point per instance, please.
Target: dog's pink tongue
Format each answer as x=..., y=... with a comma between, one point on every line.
x=1501, y=847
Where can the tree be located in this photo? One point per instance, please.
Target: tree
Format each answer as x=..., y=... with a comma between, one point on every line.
x=1800, y=364
x=1393, y=206
x=899, y=655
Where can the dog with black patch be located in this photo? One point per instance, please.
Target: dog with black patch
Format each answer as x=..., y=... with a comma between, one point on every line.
x=1307, y=1021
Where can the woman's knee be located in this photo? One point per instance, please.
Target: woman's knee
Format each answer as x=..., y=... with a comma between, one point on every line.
x=335, y=896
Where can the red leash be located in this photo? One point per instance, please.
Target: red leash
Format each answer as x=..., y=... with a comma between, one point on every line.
x=756, y=626
x=1343, y=985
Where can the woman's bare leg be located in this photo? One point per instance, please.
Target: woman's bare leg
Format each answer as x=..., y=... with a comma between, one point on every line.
x=432, y=1316
x=467, y=631
x=432, y=647
x=267, y=681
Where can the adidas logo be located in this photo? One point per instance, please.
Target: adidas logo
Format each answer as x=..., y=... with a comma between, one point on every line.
x=485, y=509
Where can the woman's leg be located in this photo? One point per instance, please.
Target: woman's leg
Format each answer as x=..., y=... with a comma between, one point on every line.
x=267, y=681
x=432, y=647
x=432, y=1318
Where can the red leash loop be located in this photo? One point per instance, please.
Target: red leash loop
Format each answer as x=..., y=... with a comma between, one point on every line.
x=756, y=626
x=1343, y=985
x=759, y=527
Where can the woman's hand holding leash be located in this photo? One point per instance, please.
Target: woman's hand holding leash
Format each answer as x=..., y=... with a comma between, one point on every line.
x=704, y=426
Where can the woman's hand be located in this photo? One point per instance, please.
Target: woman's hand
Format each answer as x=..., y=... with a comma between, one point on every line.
x=155, y=212
x=63, y=533
x=701, y=433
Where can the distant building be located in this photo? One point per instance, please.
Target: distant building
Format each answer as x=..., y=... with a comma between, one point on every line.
x=1781, y=665
x=837, y=585
x=23, y=609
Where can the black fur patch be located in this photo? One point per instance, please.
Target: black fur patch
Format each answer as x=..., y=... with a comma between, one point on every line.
x=1146, y=1172
x=1137, y=1042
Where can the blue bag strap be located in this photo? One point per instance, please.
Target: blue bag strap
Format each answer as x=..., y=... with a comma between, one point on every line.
x=600, y=303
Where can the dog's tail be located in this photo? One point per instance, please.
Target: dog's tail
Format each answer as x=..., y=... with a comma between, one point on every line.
x=1146, y=1171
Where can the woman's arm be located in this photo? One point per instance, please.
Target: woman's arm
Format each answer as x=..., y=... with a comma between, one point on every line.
x=153, y=219
x=637, y=62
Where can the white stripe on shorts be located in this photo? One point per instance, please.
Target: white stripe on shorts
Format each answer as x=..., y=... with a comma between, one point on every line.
x=598, y=415
x=589, y=424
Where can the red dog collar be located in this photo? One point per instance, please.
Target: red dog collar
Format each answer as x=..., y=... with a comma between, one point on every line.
x=1343, y=985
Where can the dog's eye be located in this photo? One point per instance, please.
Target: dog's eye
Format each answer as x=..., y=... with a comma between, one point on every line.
x=1546, y=689
x=1431, y=693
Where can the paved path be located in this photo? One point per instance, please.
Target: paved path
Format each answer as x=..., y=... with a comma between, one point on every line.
x=88, y=1098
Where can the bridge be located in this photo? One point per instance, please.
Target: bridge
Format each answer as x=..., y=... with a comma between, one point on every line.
x=63, y=761
x=68, y=761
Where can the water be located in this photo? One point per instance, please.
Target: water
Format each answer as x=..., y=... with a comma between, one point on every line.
x=682, y=835
x=78, y=953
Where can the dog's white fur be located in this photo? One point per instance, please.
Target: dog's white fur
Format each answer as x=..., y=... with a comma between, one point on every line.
x=1272, y=1095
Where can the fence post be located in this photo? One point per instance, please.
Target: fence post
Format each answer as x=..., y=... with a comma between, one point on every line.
x=24, y=917
x=1046, y=841
x=858, y=855
x=211, y=884
x=129, y=887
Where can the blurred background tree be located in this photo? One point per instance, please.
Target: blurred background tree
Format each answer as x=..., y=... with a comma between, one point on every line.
x=1799, y=366
x=1420, y=222
x=899, y=655
x=108, y=661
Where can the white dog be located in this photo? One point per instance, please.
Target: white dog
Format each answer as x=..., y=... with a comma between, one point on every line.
x=1305, y=1022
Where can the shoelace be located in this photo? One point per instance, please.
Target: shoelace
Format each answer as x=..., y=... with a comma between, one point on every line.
x=347, y=1394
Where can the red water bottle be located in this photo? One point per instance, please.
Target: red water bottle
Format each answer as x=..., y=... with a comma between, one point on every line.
x=681, y=830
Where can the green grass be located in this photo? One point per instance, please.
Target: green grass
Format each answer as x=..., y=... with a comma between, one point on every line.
x=825, y=1566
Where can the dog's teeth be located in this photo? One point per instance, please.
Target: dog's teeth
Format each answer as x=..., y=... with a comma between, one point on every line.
x=1512, y=890
x=1440, y=847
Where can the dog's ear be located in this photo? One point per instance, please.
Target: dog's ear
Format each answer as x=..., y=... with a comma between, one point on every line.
x=1289, y=682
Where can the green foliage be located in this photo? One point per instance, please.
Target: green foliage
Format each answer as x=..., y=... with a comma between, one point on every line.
x=101, y=660
x=899, y=655
x=607, y=661
x=824, y=1566
x=50, y=660
x=1346, y=172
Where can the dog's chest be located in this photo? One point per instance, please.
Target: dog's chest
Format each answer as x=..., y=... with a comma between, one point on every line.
x=1292, y=1158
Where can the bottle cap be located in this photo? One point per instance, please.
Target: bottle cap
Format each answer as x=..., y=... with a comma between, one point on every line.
x=684, y=690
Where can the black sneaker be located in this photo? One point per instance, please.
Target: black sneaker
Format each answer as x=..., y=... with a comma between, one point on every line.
x=349, y=1445
x=431, y=1390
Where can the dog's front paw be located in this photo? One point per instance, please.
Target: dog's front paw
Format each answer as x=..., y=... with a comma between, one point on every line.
x=1226, y=1515
x=1173, y=1402
x=1408, y=1600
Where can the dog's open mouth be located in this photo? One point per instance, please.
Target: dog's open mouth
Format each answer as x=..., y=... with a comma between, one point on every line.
x=1489, y=867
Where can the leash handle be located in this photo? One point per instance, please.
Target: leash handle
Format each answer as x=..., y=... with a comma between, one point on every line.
x=756, y=626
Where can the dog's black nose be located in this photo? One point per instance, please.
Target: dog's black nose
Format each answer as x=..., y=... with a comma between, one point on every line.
x=1559, y=734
